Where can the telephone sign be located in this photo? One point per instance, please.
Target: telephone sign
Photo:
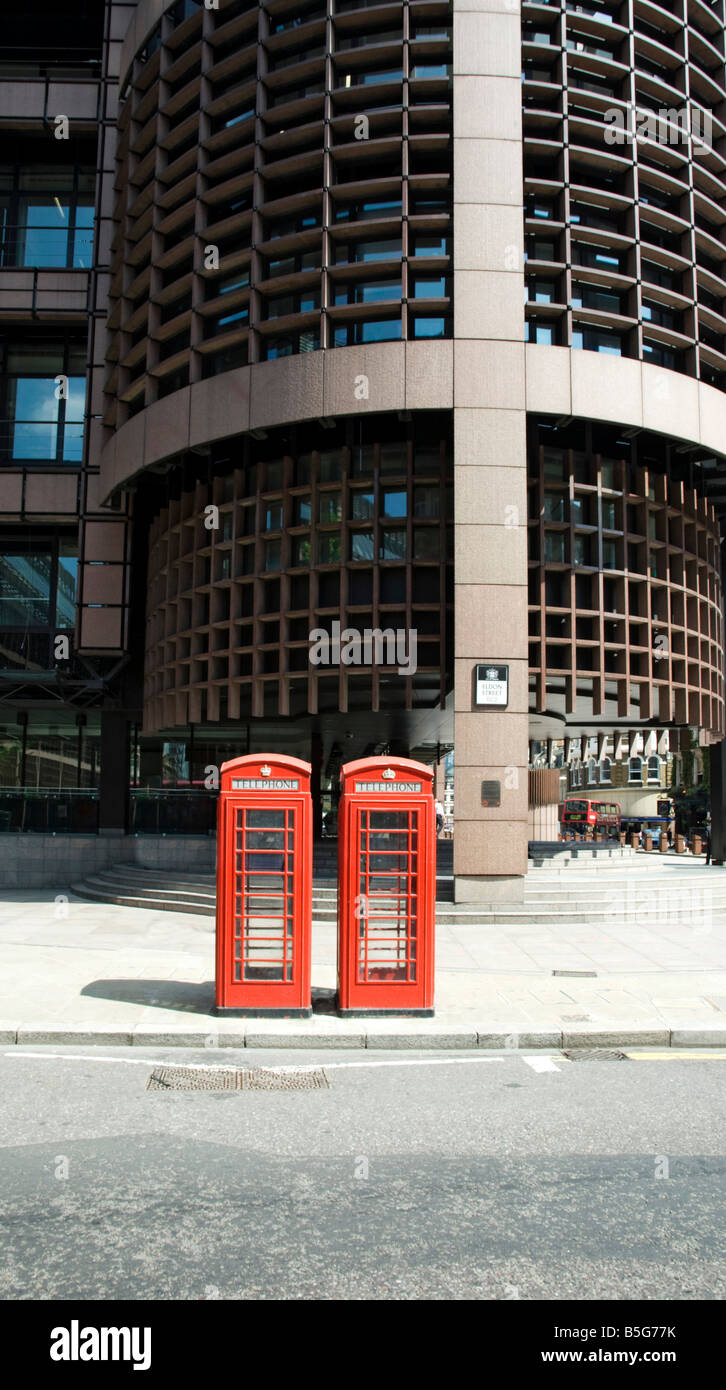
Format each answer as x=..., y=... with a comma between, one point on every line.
x=401, y=788
x=277, y=784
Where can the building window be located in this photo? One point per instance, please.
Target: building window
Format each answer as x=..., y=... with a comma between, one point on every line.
x=598, y=257
x=223, y=324
x=370, y=331
x=664, y=317
x=428, y=245
x=431, y=327
x=555, y=547
x=329, y=548
x=654, y=770
x=305, y=341
x=426, y=502
x=591, y=297
x=329, y=506
x=370, y=292
x=362, y=504
x=660, y=356
x=541, y=291
x=635, y=770
x=426, y=205
x=605, y=770
x=539, y=207
x=395, y=503
x=291, y=265
x=393, y=545
x=437, y=288
x=428, y=70
x=38, y=583
x=288, y=226
x=426, y=543
x=369, y=79
x=272, y=555
x=540, y=249
x=597, y=340
x=388, y=250
x=654, y=274
x=46, y=216
x=302, y=303
x=361, y=545
x=538, y=332
x=184, y=9
x=555, y=506
x=365, y=212
x=44, y=401
x=301, y=551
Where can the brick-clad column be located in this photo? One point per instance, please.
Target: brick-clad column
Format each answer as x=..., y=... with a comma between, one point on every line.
x=490, y=844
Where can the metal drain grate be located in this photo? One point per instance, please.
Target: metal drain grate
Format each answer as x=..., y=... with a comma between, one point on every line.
x=595, y=1054
x=242, y=1079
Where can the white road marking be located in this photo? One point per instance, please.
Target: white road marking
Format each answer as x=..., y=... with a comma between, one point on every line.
x=541, y=1063
x=247, y=1065
x=404, y=1062
x=71, y=1057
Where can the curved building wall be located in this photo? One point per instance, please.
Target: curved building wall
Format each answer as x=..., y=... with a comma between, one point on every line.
x=353, y=528
x=311, y=201
x=284, y=185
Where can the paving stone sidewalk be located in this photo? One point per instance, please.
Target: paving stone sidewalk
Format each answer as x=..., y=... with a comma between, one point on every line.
x=79, y=972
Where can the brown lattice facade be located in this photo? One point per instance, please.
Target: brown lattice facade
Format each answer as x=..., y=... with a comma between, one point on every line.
x=625, y=594
x=246, y=564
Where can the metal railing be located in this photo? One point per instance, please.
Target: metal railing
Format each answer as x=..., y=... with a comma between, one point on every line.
x=49, y=812
x=50, y=247
x=41, y=441
x=76, y=812
x=167, y=811
x=77, y=65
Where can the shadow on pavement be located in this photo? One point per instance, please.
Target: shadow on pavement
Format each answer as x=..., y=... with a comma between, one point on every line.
x=182, y=995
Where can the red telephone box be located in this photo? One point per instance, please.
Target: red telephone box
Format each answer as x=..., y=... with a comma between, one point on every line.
x=386, y=887
x=264, y=887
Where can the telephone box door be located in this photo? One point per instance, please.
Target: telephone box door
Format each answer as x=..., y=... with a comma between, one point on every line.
x=264, y=887
x=387, y=887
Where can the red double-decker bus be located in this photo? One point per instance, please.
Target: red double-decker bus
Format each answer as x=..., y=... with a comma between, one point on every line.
x=580, y=814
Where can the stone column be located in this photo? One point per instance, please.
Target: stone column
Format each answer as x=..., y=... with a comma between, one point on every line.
x=490, y=844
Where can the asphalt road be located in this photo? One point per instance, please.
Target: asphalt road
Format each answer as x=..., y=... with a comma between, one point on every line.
x=424, y=1176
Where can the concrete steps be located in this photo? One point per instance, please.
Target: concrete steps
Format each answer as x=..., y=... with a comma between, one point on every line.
x=128, y=886
x=580, y=897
